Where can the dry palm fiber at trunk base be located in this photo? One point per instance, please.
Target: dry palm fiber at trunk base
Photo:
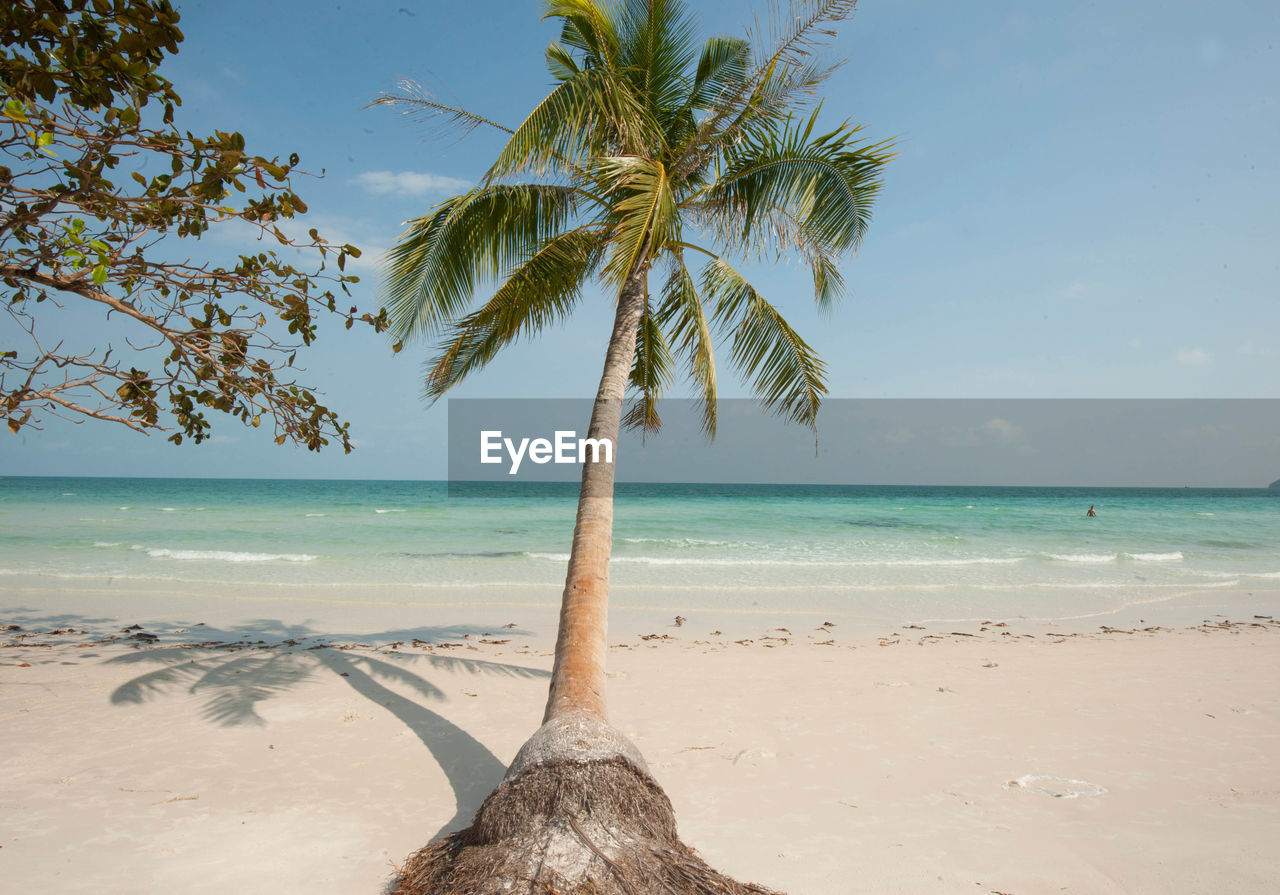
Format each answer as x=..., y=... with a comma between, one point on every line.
x=573, y=828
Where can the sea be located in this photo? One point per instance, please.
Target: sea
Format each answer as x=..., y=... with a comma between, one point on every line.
x=892, y=553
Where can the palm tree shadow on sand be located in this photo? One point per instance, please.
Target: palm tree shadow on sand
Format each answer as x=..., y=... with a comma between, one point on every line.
x=234, y=678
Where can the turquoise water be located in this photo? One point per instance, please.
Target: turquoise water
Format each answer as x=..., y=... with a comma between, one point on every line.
x=942, y=551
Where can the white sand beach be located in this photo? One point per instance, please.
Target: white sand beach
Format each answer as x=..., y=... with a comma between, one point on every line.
x=1005, y=758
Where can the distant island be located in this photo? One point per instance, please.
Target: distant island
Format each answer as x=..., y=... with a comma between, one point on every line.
x=1275, y=484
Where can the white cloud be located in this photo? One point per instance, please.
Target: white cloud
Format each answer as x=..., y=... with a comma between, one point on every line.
x=1193, y=357
x=408, y=183
x=1004, y=429
x=1076, y=291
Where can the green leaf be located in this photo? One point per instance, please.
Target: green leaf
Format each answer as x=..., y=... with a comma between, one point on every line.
x=651, y=374
x=644, y=211
x=683, y=317
x=580, y=119
x=435, y=267
x=785, y=373
x=825, y=185
x=540, y=292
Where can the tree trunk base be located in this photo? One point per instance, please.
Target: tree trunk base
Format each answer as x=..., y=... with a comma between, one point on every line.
x=566, y=827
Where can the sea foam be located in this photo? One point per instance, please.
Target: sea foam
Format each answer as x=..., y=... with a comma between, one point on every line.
x=225, y=555
x=806, y=563
x=1084, y=557
x=1175, y=556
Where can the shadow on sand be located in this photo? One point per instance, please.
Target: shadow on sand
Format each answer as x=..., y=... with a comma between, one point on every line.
x=235, y=670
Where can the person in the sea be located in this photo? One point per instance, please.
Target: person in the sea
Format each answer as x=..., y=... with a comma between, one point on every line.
x=1091, y=511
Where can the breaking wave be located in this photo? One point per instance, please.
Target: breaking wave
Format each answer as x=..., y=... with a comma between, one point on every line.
x=224, y=555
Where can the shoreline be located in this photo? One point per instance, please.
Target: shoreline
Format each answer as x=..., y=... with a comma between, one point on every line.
x=395, y=612
x=65, y=631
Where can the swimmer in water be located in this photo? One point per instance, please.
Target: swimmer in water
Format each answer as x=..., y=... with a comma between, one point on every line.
x=1091, y=511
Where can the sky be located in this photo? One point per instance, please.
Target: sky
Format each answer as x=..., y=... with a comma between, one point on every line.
x=1082, y=206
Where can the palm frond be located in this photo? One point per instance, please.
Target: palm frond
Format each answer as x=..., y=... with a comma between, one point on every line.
x=722, y=70
x=778, y=234
x=828, y=181
x=414, y=100
x=588, y=28
x=433, y=269
x=644, y=212
x=785, y=373
x=560, y=62
x=657, y=42
x=683, y=317
x=651, y=374
x=780, y=75
x=775, y=99
x=828, y=281
x=793, y=36
x=542, y=290
x=589, y=113
x=769, y=107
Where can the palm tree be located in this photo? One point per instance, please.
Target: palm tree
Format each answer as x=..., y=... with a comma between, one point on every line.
x=650, y=155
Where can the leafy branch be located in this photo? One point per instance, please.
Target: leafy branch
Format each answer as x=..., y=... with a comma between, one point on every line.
x=87, y=222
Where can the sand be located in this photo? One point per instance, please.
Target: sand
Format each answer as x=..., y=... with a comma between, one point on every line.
x=1013, y=758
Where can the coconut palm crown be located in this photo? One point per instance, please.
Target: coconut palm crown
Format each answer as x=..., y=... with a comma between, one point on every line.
x=650, y=155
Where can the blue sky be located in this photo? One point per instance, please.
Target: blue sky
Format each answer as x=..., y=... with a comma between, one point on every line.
x=1083, y=205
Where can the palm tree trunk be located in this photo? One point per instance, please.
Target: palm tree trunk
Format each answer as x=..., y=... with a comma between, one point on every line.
x=578, y=676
